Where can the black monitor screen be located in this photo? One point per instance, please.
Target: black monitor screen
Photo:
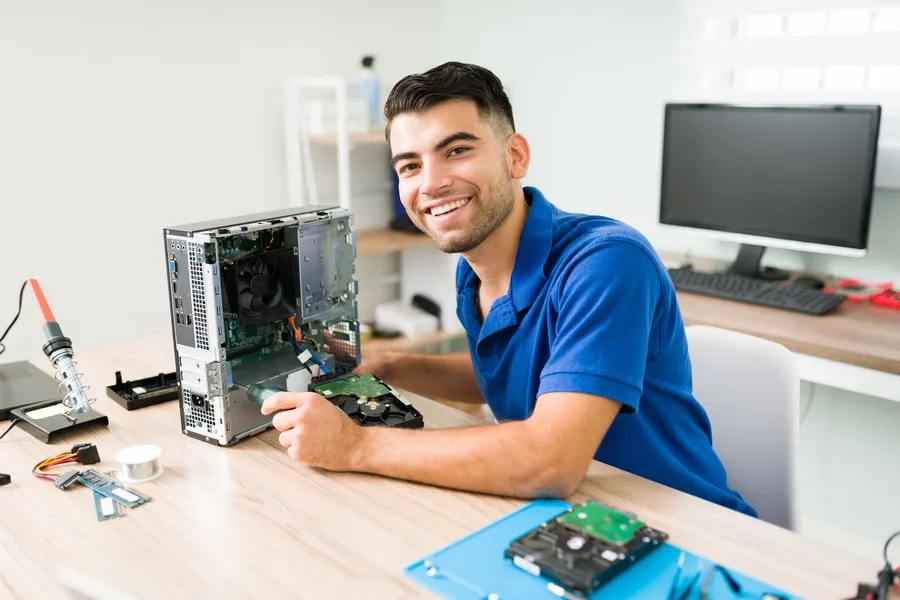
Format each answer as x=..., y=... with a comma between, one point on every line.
x=795, y=173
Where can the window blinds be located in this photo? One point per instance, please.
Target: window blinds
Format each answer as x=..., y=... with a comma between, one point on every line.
x=797, y=52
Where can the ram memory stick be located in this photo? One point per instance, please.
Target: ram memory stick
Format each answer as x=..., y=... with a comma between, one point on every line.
x=109, y=488
x=106, y=507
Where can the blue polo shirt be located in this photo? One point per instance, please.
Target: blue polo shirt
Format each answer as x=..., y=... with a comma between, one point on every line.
x=591, y=309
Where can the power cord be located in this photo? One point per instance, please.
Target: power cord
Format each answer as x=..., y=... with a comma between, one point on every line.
x=16, y=318
x=8, y=429
x=888, y=577
x=6, y=478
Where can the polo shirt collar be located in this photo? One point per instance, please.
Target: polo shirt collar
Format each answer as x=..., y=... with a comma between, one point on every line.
x=528, y=276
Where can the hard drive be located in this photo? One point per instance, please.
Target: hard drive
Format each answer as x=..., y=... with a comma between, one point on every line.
x=585, y=547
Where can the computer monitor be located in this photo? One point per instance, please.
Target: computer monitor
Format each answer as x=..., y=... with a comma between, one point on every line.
x=794, y=177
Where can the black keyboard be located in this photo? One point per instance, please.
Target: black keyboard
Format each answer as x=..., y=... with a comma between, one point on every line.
x=755, y=291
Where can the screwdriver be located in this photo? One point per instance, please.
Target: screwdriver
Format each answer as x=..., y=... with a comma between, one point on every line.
x=259, y=393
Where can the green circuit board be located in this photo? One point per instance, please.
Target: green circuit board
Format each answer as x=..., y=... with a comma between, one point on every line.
x=602, y=522
x=362, y=386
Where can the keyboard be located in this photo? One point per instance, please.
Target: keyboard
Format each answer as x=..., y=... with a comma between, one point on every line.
x=755, y=291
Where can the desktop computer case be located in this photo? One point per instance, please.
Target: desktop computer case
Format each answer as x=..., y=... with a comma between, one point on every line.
x=232, y=285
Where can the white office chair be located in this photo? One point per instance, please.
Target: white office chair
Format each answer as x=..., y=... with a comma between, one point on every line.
x=750, y=388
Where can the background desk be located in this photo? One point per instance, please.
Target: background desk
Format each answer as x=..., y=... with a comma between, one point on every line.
x=855, y=348
x=247, y=522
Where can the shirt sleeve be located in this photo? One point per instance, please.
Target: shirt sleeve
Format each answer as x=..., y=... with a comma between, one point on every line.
x=605, y=311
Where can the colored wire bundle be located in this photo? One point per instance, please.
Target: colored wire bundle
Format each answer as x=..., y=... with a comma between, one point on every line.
x=63, y=458
x=298, y=337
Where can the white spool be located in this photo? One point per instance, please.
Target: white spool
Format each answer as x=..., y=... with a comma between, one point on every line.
x=139, y=463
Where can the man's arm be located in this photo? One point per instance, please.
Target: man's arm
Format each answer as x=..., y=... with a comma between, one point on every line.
x=447, y=376
x=546, y=455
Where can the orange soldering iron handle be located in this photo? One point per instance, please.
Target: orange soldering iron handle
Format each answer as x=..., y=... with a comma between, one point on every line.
x=42, y=301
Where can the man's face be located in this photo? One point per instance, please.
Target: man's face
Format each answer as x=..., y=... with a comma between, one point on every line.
x=455, y=181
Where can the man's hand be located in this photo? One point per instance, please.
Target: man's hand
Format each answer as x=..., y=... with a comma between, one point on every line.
x=313, y=430
x=379, y=365
x=445, y=376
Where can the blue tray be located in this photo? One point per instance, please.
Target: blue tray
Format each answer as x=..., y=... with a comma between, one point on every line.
x=474, y=567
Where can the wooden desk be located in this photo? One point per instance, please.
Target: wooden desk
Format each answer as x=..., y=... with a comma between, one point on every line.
x=858, y=334
x=247, y=522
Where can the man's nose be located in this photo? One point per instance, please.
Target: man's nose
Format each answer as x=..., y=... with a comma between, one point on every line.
x=434, y=179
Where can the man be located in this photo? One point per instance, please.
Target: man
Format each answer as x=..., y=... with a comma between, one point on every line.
x=575, y=336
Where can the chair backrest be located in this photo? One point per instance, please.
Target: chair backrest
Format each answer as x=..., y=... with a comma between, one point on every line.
x=750, y=388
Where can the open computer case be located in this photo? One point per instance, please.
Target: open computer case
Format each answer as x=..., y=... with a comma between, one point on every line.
x=247, y=296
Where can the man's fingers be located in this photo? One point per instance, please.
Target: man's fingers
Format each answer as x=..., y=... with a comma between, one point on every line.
x=294, y=452
x=286, y=438
x=284, y=421
x=283, y=401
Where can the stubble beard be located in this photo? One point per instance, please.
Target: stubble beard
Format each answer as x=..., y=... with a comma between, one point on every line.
x=486, y=219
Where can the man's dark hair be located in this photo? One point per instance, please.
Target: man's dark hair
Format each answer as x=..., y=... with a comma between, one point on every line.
x=448, y=82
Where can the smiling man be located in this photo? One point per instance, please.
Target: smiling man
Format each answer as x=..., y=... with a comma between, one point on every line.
x=575, y=337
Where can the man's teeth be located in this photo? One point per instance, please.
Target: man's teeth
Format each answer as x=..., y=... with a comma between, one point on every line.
x=443, y=208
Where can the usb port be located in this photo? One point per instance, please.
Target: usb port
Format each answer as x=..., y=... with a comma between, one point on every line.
x=188, y=320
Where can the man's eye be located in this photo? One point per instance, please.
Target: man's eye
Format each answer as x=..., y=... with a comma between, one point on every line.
x=407, y=167
x=458, y=150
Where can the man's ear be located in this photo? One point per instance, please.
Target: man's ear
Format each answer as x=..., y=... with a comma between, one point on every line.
x=518, y=155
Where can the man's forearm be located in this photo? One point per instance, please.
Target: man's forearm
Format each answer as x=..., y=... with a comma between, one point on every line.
x=495, y=459
x=444, y=376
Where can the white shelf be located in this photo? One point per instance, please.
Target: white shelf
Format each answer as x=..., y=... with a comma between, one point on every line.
x=365, y=138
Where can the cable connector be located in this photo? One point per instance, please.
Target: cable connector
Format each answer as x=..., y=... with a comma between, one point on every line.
x=87, y=453
x=65, y=480
x=5, y=479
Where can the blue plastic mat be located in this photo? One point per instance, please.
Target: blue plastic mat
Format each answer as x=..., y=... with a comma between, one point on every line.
x=474, y=567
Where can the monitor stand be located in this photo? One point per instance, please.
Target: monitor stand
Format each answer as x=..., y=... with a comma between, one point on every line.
x=748, y=261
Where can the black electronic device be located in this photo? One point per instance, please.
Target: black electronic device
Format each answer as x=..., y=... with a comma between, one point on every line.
x=132, y=395
x=755, y=291
x=813, y=283
x=368, y=400
x=793, y=177
x=47, y=421
x=21, y=384
x=585, y=547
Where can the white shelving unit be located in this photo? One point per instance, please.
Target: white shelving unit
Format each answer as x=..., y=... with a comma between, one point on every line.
x=301, y=179
x=321, y=113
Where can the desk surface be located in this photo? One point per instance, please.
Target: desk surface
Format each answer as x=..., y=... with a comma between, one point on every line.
x=860, y=334
x=247, y=522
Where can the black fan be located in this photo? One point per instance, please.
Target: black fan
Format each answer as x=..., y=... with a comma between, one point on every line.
x=259, y=286
x=262, y=287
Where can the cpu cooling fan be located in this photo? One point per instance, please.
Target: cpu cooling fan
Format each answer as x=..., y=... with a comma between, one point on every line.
x=263, y=287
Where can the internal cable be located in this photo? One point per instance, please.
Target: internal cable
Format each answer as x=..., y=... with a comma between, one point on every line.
x=16, y=318
x=298, y=336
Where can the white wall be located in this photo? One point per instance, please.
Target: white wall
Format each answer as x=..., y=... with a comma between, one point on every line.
x=588, y=81
x=117, y=119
